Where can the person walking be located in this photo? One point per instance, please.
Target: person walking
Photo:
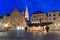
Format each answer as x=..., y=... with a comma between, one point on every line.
x=26, y=29
x=47, y=29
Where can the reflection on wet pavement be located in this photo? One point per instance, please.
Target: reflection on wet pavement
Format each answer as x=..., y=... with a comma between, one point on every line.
x=21, y=35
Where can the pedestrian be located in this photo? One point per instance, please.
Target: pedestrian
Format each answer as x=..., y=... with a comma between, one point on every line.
x=47, y=29
x=26, y=29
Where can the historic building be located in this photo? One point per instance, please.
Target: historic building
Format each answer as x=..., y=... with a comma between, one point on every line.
x=52, y=19
x=40, y=20
x=38, y=17
x=37, y=20
x=16, y=20
x=55, y=18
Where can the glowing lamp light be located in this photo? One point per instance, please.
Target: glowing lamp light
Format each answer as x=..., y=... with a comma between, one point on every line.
x=18, y=28
x=6, y=25
x=22, y=28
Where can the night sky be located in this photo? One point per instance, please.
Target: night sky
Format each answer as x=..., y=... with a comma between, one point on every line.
x=7, y=6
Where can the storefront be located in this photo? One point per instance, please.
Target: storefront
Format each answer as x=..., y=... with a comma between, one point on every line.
x=37, y=27
x=20, y=28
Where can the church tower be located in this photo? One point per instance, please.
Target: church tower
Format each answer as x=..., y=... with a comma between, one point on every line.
x=26, y=14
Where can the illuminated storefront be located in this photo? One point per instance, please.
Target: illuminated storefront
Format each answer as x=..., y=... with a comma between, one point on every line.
x=20, y=28
x=37, y=27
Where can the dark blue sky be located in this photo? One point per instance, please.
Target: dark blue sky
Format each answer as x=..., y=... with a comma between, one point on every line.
x=7, y=6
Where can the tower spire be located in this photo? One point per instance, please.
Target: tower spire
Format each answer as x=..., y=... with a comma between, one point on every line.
x=26, y=13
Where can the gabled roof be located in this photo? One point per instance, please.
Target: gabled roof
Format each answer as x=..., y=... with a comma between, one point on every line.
x=16, y=10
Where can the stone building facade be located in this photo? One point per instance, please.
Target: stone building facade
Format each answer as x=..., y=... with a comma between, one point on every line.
x=55, y=18
x=38, y=17
x=15, y=20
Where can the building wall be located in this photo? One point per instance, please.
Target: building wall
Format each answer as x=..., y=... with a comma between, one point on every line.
x=51, y=17
x=15, y=19
x=1, y=23
x=38, y=18
x=55, y=18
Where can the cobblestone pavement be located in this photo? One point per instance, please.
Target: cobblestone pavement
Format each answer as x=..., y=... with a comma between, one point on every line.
x=21, y=35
